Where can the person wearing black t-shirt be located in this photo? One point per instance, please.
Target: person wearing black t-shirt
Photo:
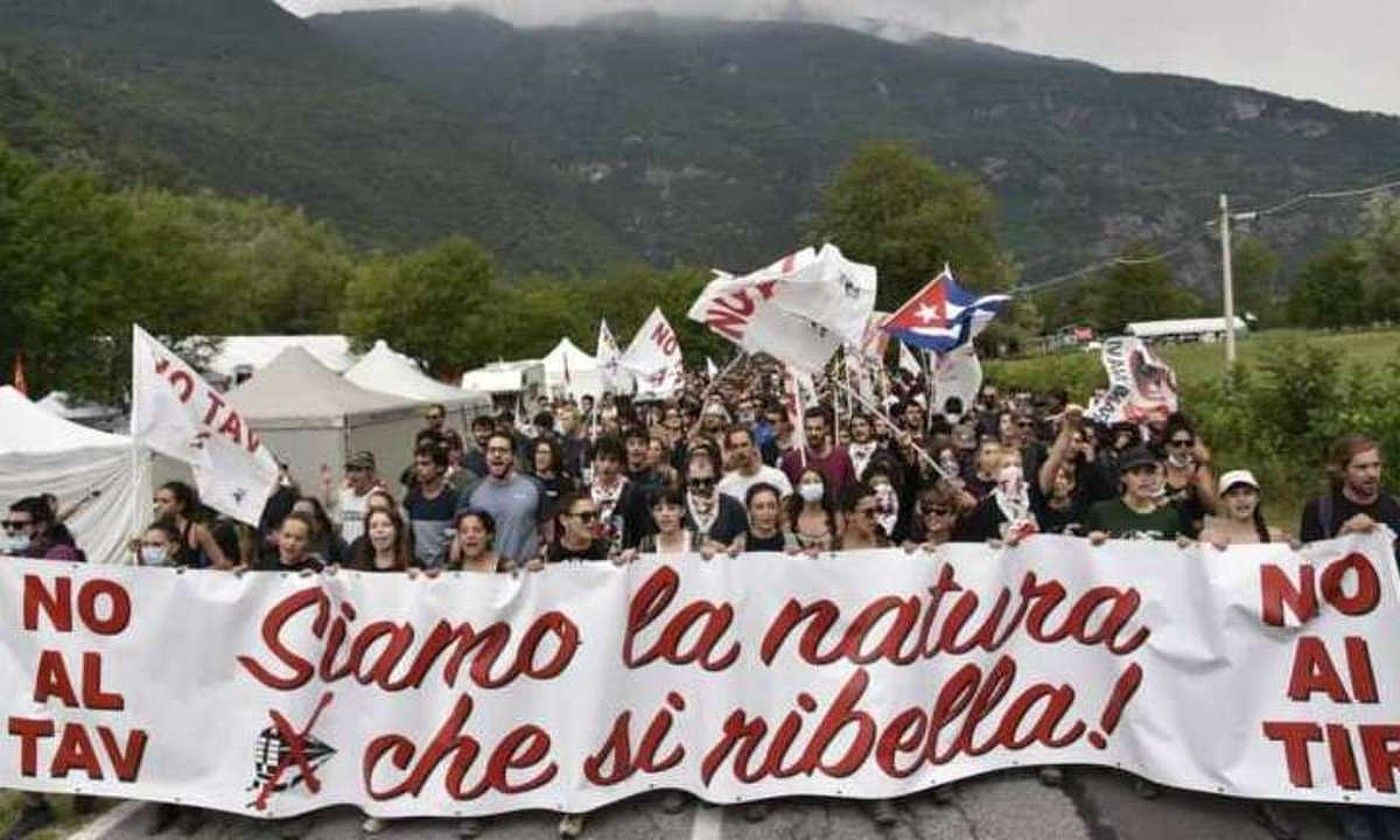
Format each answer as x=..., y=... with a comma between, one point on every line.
x=576, y=532
x=1061, y=495
x=293, y=543
x=1358, y=501
x=765, y=531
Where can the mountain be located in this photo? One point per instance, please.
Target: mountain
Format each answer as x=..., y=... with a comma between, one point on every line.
x=245, y=98
x=710, y=141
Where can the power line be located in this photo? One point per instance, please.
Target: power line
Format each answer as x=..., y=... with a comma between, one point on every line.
x=1211, y=222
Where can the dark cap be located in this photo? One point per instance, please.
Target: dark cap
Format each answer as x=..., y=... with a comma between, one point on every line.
x=360, y=461
x=1137, y=456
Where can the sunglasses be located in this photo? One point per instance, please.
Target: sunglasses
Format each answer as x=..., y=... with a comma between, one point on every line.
x=15, y=525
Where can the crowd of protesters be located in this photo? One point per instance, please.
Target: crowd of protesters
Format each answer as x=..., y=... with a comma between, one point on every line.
x=726, y=469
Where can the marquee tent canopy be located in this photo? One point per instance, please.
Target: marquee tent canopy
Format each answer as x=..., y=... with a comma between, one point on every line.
x=311, y=418
x=41, y=452
x=385, y=371
x=524, y=377
x=569, y=370
x=258, y=351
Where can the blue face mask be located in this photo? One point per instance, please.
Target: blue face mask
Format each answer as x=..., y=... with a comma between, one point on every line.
x=16, y=543
x=153, y=555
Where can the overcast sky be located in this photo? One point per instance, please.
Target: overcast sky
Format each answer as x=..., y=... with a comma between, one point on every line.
x=1343, y=52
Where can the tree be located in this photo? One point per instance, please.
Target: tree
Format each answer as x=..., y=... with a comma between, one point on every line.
x=1330, y=291
x=1379, y=247
x=438, y=305
x=895, y=210
x=1255, y=274
x=1139, y=287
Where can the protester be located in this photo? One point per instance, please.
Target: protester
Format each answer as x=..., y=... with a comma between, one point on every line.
x=820, y=452
x=158, y=545
x=939, y=508
x=475, y=542
x=30, y=531
x=515, y=502
x=293, y=542
x=812, y=515
x=1240, y=520
x=765, y=521
x=717, y=518
x=1357, y=500
x=671, y=536
x=1138, y=514
x=325, y=542
x=430, y=506
x=1187, y=479
x=386, y=546
x=862, y=521
x=547, y=467
x=862, y=445
x=178, y=502
x=613, y=493
x=475, y=457
x=349, y=504
x=746, y=467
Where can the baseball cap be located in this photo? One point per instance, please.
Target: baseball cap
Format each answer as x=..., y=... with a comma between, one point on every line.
x=1233, y=477
x=1137, y=456
x=360, y=461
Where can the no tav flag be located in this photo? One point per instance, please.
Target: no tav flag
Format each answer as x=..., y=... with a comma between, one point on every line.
x=799, y=310
x=176, y=413
x=654, y=358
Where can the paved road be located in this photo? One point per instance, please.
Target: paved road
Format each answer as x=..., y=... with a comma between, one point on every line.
x=1093, y=805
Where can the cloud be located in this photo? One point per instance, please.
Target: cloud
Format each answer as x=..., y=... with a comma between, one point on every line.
x=1342, y=52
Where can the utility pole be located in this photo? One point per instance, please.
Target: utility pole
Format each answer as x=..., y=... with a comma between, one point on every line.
x=1226, y=262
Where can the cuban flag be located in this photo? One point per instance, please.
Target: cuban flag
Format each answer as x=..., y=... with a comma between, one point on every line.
x=944, y=316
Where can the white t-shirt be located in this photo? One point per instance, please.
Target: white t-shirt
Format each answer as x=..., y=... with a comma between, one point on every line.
x=351, y=509
x=736, y=485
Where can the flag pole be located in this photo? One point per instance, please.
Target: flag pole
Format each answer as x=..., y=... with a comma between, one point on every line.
x=894, y=427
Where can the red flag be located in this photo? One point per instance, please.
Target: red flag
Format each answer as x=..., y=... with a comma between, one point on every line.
x=18, y=380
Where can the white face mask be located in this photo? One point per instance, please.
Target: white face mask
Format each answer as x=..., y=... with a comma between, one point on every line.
x=812, y=491
x=16, y=543
x=153, y=555
x=885, y=497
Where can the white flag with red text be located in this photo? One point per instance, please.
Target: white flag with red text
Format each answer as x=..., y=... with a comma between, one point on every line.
x=176, y=413
x=654, y=358
x=799, y=310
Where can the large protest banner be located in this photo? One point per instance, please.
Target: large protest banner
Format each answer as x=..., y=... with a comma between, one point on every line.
x=1254, y=672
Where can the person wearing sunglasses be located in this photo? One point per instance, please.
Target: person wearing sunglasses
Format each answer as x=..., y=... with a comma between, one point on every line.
x=717, y=518
x=30, y=531
x=863, y=521
x=1187, y=480
x=578, y=532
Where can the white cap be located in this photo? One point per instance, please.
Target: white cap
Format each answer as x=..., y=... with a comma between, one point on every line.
x=1233, y=477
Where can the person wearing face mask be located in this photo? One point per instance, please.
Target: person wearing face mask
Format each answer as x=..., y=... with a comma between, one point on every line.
x=1187, y=481
x=158, y=545
x=30, y=531
x=1005, y=514
x=812, y=515
x=177, y=501
x=717, y=518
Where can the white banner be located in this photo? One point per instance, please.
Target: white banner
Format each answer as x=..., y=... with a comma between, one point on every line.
x=610, y=360
x=1141, y=387
x=957, y=373
x=799, y=310
x=654, y=358
x=176, y=413
x=1257, y=673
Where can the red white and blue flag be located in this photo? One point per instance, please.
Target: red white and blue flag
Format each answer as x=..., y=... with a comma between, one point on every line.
x=944, y=316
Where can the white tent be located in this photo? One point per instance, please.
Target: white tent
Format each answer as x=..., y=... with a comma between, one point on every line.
x=87, y=413
x=254, y=352
x=313, y=419
x=388, y=372
x=43, y=453
x=526, y=378
x=568, y=370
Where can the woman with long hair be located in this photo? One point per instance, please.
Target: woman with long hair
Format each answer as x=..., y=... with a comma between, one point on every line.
x=385, y=546
x=177, y=502
x=547, y=467
x=326, y=543
x=1240, y=518
x=765, y=531
x=476, y=542
x=812, y=515
x=671, y=537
